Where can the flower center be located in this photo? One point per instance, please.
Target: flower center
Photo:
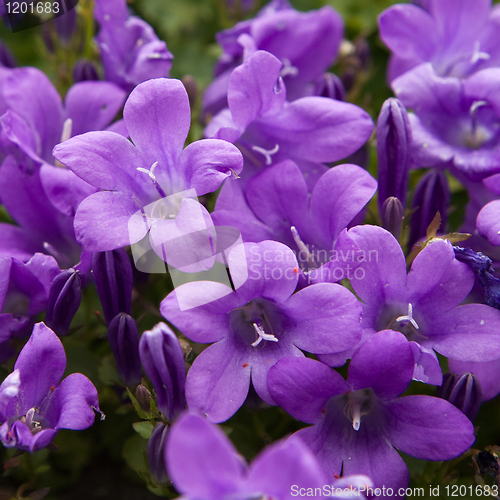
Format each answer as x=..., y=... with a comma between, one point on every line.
x=358, y=403
x=392, y=319
x=256, y=323
x=32, y=420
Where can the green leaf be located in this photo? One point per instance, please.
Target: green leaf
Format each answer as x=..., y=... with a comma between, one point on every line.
x=144, y=429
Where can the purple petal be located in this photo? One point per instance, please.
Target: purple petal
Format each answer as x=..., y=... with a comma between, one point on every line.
x=437, y=281
x=267, y=269
x=41, y=365
x=429, y=428
x=28, y=92
x=302, y=386
x=157, y=116
x=218, y=381
x=64, y=189
x=284, y=464
x=93, y=105
x=488, y=222
x=255, y=89
x=71, y=405
x=384, y=363
x=468, y=333
x=104, y=159
x=327, y=318
x=98, y=230
x=207, y=163
x=201, y=460
x=16, y=242
x=383, y=263
x=338, y=197
x=318, y=129
x=427, y=368
x=203, y=315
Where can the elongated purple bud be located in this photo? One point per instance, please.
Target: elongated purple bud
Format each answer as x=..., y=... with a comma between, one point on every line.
x=393, y=141
x=163, y=362
x=85, y=71
x=392, y=216
x=432, y=195
x=330, y=85
x=123, y=338
x=65, y=295
x=463, y=391
x=156, y=453
x=113, y=280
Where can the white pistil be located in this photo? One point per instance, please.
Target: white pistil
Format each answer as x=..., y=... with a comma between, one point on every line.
x=267, y=153
x=34, y=425
x=356, y=416
x=408, y=318
x=262, y=335
x=477, y=55
x=153, y=178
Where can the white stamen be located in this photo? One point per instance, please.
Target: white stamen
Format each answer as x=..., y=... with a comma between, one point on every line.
x=302, y=247
x=153, y=178
x=67, y=127
x=267, y=153
x=288, y=69
x=477, y=55
x=408, y=318
x=262, y=335
x=476, y=105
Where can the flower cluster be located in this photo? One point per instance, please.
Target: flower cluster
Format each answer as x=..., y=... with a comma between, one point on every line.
x=298, y=286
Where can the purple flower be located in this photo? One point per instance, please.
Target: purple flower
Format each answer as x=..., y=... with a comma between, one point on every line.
x=358, y=423
x=203, y=463
x=463, y=391
x=458, y=37
x=131, y=52
x=24, y=290
x=306, y=43
x=269, y=129
x=424, y=304
x=254, y=326
x=488, y=374
x=275, y=204
x=43, y=404
x=133, y=177
x=455, y=122
x=163, y=361
x=40, y=197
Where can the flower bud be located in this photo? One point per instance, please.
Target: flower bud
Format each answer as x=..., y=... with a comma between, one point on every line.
x=65, y=295
x=123, y=338
x=143, y=397
x=84, y=71
x=163, y=362
x=113, y=280
x=463, y=391
x=432, y=195
x=392, y=216
x=393, y=141
x=330, y=85
x=156, y=453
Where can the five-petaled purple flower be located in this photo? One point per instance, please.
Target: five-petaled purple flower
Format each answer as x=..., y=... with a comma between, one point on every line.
x=35, y=404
